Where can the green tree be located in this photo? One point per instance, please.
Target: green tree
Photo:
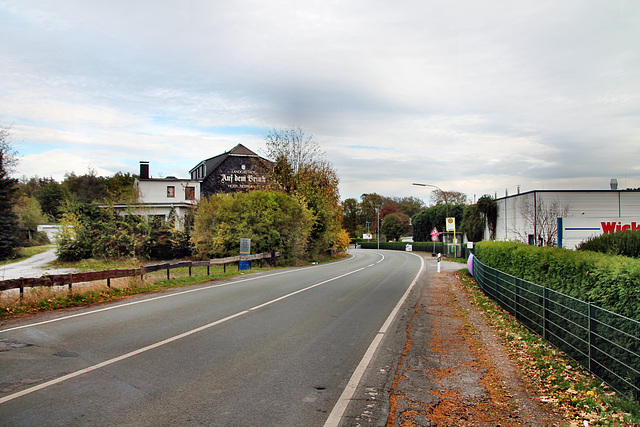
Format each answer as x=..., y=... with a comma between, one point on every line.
x=473, y=223
x=119, y=188
x=351, y=216
x=8, y=189
x=409, y=205
x=29, y=212
x=369, y=205
x=53, y=200
x=86, y=188
x=434, y=216
x=274, y=221
x=92, y=232
x=395, y=225
x=488, y=207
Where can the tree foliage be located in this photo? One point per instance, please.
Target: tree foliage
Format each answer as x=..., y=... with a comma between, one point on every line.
x=301, y=170
x=395, y=225
x=8, y=218
x=488, y=207
x=626, y=243
x=89, y=231
x=473, y=223
x=441, y=197
x=362, y=216
x=434, y=216
x=350, y=216
x=29, y=212
x=274, y=221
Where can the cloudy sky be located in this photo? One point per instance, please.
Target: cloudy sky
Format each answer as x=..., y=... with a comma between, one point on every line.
x=471, y=96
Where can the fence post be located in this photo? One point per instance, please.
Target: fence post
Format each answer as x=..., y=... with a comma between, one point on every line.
x=590, y=316
x=108, y=282
x=21, y=288
x=545, y=310
x=189, y=270
x=516, y=298
x=208, y=266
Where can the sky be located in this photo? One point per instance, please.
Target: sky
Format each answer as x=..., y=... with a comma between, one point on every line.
x=480, y=97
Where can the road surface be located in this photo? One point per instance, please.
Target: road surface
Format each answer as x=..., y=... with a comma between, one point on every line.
x=275, y=348
x=34, y=266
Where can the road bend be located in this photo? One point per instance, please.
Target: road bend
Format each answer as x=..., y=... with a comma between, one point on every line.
x=275, y=348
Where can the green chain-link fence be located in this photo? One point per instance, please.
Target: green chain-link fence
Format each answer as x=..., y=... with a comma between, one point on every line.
x=605, y=343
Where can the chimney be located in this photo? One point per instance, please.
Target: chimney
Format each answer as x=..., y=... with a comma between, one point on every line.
x=144, y=170
x=614, y=184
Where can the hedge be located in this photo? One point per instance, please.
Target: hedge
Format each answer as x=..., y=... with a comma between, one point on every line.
x=611, y=282
x=625, y=243
x=401, y=246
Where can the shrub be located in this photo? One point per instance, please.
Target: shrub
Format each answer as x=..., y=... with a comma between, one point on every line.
x=625, y=243
x=611, y=282
x=273, y=221
x=89, y=231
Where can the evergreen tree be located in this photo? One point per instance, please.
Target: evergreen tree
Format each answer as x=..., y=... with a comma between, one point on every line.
x=8, y=187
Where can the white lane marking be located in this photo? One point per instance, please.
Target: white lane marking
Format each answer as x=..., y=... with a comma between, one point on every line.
x=174, y=294
x=347, y=394
x=304, y=289
x=116, y=359
x=160, y=343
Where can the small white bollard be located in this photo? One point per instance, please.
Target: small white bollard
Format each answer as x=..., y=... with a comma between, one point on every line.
x=439, y=259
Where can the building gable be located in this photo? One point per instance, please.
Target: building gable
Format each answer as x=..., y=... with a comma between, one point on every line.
x=237, y=170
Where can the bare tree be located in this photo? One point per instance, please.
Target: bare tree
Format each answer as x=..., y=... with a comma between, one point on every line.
x=292, y=144
x=440, y=197
x=541, y=220
x=8, y=155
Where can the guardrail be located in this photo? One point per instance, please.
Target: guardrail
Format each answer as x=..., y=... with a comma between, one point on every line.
x=605, y=343
x=69, y=279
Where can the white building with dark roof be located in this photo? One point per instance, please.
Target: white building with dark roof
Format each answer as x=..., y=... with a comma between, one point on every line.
x=163, y=198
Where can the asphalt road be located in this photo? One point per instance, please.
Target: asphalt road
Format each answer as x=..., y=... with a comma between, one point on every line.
x=276, y=348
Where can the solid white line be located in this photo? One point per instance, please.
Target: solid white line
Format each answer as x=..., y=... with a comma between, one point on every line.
x=174, y=294
x=116, y=359
x=347, y=394
x=160, y=343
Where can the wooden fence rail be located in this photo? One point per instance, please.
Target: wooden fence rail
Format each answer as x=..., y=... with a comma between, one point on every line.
x=69, y=279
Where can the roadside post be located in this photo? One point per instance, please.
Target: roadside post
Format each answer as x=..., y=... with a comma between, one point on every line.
x=434, y=239
x=439, y=259
x=245, y=250
x=451, y=226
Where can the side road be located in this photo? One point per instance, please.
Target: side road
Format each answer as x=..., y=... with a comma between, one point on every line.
x=445, y=367
x=35, y=266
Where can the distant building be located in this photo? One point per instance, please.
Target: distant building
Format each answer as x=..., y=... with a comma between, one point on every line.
x=235, y=171
x=163, y=198
x=533, y=216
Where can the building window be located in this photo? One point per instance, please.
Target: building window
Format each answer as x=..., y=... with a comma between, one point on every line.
x=171, y=191
x=190, y=193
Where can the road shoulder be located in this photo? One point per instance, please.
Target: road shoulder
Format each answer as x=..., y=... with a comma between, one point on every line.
x=444, y=366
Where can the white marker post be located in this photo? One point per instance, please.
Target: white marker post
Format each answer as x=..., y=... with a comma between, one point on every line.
x=439, y=258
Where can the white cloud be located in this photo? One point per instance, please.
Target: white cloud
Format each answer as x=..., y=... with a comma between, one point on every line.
x=488, y=95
